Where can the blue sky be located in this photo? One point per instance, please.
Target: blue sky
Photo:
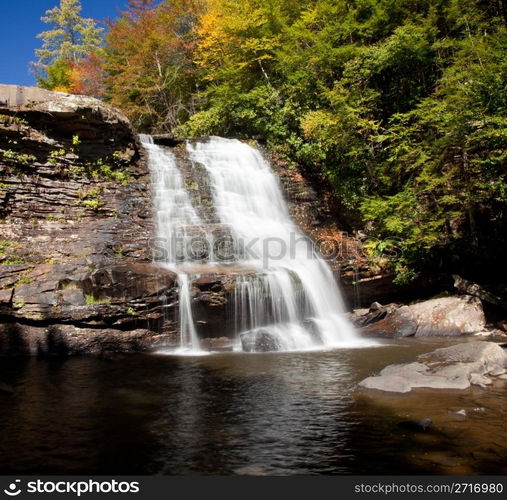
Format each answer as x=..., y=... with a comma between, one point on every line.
x=19, y=24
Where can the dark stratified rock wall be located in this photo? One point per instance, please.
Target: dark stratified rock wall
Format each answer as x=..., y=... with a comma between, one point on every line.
x=76, y=221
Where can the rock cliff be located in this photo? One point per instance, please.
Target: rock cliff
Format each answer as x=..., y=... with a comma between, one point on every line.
x=75, y=226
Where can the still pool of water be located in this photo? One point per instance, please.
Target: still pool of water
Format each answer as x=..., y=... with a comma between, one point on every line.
x=233, y=413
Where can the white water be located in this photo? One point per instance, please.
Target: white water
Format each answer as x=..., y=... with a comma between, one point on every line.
x=175, y=220
x=294, y=295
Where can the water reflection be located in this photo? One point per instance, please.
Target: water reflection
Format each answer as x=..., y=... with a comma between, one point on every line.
x=230, y=413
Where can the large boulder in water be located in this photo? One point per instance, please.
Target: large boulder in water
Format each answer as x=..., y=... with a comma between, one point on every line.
x=444, y=316
x=398, y=322
x=455, y=367
x=448, y=316
x=259, y=341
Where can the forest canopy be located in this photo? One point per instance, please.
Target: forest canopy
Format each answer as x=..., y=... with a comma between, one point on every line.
x=399, y=105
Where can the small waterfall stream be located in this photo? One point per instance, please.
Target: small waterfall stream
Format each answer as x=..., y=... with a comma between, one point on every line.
x=175, y=220
x=289, y=300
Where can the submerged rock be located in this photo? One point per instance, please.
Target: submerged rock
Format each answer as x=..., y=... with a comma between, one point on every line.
x=388, y=383
x=455, y=367
x=259, y=341
x=462, y=414
x=6, y=388
x=421, y=425
x=220, y=344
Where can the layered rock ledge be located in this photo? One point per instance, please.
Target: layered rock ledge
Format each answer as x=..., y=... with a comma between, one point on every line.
x=76, y=271
x=76, y=222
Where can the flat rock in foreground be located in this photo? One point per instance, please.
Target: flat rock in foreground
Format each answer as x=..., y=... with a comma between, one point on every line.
x=455, y=367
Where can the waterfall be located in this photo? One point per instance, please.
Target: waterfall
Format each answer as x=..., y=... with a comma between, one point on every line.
x=294, y=297
x=289, y=299
x=176, y=221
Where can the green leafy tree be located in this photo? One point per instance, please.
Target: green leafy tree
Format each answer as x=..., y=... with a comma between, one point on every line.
x=58, y=76
x=71, y=39
x=400, y=106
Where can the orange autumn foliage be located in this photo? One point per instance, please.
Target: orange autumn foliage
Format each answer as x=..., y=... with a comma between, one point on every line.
x=149, y=64
x=87, y=76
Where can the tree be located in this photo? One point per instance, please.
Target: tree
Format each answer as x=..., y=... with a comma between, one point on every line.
x=240, y=87
x=87, y=77
x=58, y=77
x=71, y=39
x=401, y=106
x=148, y=59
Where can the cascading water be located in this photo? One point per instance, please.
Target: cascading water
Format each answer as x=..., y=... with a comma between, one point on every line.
x=176, y=221
x=289, y=299
x=293, y=299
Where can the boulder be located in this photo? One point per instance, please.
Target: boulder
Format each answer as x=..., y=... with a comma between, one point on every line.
x=399, y=322
x=483, y=355
x=220, y=344
x=448, y=316
x=86, y=116
x=445, y=316
x=259, y=341
x=421, y=425
x=455, y=367
x=376, y=312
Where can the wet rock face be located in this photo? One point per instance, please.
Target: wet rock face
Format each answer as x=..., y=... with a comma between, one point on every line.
x=313, y=208
x=75, y=229
x=319, y=215
x=61, y=339
x=259, y=341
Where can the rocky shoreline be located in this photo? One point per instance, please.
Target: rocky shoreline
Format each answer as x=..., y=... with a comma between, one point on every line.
x=474, y=362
